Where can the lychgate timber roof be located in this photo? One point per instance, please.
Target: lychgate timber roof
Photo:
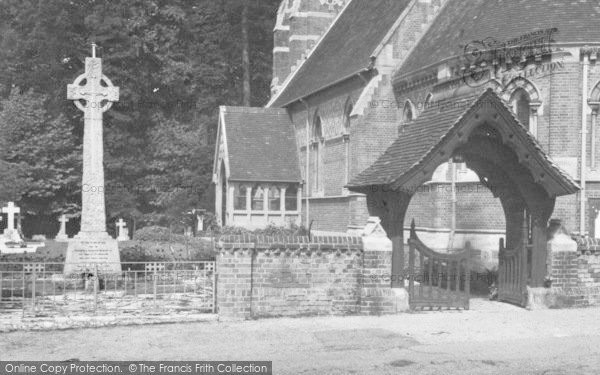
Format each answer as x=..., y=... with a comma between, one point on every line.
x=261, y=144
x=464, y=21
x=430, y=132
x=345, y=50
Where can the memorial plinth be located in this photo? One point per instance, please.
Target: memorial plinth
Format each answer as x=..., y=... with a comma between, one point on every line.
x=93, y=248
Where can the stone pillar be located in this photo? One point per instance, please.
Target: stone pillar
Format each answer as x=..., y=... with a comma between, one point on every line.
x=266, y=202
x=282, y=192
x=377, y=296
x=561, y=274
x=391, y=207
x=234, y=289
x=249, y=202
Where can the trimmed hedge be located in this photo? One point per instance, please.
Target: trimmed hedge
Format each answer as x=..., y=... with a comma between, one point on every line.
x=130, y=251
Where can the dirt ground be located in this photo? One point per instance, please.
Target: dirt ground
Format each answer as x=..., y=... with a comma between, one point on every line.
x=491, y=338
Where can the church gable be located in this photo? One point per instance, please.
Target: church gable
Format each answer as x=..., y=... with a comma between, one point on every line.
x=346, y=50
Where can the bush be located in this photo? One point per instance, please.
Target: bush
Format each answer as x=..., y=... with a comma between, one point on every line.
x=153, y=233
x=153, y=251
x=271, y=230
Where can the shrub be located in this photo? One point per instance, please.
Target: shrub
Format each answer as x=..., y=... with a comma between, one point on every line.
x=153, y=233
x=271, y=230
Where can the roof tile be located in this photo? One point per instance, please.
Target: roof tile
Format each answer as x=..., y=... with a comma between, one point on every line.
x=261, y=144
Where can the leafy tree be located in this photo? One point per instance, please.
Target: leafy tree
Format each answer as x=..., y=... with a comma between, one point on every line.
x=175, y=62
x=40, y=157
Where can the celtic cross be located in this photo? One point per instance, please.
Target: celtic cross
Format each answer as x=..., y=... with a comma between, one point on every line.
x=99, y=94
x=99, y=97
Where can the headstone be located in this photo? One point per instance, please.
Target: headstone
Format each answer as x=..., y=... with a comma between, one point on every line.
x=122, y=231
x=11, y=233
x=92, y=248
x=62, y=232
x=200, y=220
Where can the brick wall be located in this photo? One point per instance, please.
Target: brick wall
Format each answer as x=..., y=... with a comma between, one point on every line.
x=476, y=207
x=273, y=277
x=576, y=278
x=330, y=214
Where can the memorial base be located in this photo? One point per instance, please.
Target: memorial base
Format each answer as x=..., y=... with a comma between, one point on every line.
x=88, y=254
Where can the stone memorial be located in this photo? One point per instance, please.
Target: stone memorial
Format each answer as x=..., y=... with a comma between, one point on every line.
x=62, y=232
x=122, y=230
x=11, y=234
x=93, y=248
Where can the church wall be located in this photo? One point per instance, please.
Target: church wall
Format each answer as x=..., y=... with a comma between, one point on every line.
x=299, y=26
x=563, y=115
x=329, y=214
x=377, y=129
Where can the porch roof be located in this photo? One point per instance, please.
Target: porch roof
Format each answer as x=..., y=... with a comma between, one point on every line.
x=427, y=136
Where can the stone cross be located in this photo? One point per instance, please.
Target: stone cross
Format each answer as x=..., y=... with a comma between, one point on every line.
x=94, y=94
x=122, y=235
x=62, y=233
x=11, y=210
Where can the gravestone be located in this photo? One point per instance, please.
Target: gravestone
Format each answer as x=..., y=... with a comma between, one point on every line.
x=62, y=232
x=122, y=231
x=11, y=234
x=93, y=248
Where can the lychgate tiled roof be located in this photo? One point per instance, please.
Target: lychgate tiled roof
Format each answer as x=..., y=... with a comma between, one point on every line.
x=464, y=21
x=429, y=131
x=346, y=49
x=261, y=145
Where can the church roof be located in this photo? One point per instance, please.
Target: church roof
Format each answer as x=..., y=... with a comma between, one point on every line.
x=345, y=50
x=464, y=21
x=261, y=144
x=428, y=134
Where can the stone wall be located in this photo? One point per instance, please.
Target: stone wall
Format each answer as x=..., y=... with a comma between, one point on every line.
x=294, y=276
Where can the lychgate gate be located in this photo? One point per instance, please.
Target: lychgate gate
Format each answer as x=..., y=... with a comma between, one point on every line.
x=437, y=280
x=479, y=129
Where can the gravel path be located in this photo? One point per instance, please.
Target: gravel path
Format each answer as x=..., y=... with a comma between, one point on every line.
x=491, y=338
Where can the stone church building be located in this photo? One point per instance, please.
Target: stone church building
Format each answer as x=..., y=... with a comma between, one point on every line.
x=361, y=87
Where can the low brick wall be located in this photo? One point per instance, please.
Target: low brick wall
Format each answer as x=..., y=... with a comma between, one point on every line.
x=575, y=278
x=294, y=276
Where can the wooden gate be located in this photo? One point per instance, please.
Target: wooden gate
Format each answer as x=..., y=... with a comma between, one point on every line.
x=512, y=274
x=437, y=280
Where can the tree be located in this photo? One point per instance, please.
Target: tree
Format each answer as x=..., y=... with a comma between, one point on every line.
x=247, y=93
x=175, y=62
x=40, y=162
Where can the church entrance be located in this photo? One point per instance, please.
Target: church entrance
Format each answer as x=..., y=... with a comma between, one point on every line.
x=482, y=132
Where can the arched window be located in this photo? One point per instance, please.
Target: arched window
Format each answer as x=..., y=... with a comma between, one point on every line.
x=258, y=198
x=521, y=104
x=408, y=114
x=274, y=199
x=428, y=101
x=317, y=129
x=291, y=198
x=317, y=155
